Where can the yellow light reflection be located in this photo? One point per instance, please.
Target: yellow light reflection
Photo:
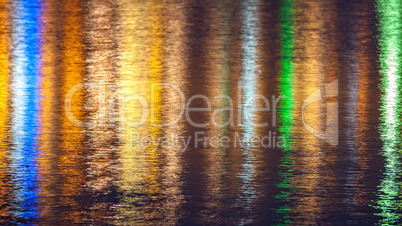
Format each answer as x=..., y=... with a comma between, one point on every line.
x=71, y=163
x=4, y=106
x=60, y=160
x=308, y=79
x=154, y=130
x=132, y=41
x=49, y=114
x=140, y=41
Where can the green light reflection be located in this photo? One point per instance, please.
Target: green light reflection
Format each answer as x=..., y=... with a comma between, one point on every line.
x=286, y=109
x=390, y=39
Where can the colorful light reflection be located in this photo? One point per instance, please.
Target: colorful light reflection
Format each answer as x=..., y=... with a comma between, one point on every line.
x=25, y=99
x=249, y=85
x=390, y=39
x=286, y=109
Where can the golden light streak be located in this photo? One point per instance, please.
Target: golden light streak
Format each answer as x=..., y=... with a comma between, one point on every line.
x=366, y=65
x=101, y=105
x=308, y=78
x=4, y=106
x=71, y=163
x=175, y=50
x=49, y=113
x=140, y=40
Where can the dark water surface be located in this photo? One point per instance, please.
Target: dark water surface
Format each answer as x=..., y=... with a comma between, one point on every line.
x=274, y=112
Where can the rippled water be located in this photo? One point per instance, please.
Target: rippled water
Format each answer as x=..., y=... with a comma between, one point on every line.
x=200, y=112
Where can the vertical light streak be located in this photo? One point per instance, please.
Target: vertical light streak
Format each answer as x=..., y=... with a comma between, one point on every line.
x=353, y=88
x=308, y=79
x=60, y=141
x=175, y=49
x=133, y=38
x=250, y=34
x=286, y=110
x=5, y=28
x=49, y=123
x=140, y=41
x=100, y=103
x=155, y=69
x=390, y=39
x=357, y=108
x=218, y=83
x=365, y=106
x=25, y=98
x=72, y=67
